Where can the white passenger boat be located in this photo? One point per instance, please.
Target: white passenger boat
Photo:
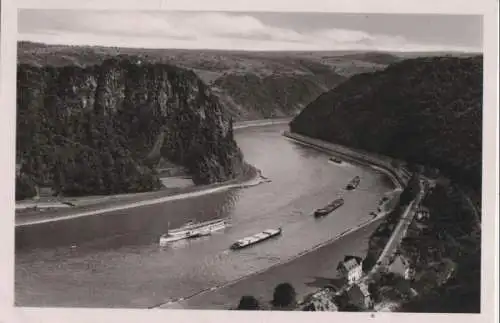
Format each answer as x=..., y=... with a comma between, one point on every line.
x=192, y=230
x=256, y=238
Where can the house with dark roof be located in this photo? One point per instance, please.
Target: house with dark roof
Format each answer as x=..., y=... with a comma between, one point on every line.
x=401, y=266
x=350, y=268
x=359, y=296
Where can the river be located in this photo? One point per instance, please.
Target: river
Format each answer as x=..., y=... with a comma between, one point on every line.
x=114, y=260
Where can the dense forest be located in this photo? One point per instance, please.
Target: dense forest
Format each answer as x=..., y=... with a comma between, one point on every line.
x=452, y=235
x=103, y=128
x=424, y=110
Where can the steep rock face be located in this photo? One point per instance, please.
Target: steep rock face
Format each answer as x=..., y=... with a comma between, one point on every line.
x=424, y=110
x=102, y=128
x=251, y=85
x=273, y=95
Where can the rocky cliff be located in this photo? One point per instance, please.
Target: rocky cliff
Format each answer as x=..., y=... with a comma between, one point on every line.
x=424, y=110
x=102, y=128
x=251, y=85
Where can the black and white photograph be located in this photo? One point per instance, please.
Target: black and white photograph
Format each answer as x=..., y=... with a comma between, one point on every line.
x=249, y=160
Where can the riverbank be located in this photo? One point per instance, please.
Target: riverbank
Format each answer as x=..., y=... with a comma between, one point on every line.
x=120, y=264
x=249, y=285
x=250, y=178
x=399, y=176
x=47, y=210
x=306, y=271
x=260, y=123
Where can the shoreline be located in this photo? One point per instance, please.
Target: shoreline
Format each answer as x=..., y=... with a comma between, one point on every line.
x=260, y=123
x=398, y=181
x=399, y=177
x=32, y=209
x=256, y=179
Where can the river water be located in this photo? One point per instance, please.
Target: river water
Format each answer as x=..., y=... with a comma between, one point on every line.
x=114, y=260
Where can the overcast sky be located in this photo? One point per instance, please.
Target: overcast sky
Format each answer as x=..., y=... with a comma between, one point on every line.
x=252, y=31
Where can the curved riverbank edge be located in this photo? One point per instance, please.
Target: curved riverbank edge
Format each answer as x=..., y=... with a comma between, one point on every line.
x=254, y=178
x=23, y=219
x=260, y=123
x=399, y=176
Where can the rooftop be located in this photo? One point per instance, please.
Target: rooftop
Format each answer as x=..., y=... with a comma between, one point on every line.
x=349, y=264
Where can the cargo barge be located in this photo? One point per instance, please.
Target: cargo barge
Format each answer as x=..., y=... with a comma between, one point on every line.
x=329, y=208
x=256, y=238
x=353, y=184
x=335, y=160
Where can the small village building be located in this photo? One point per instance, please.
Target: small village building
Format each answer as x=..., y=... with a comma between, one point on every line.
x=360, y=296
x=422, y=214
x=350, y=269
x=402, y=267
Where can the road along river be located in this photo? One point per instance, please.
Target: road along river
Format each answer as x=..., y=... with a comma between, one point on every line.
x=114, y=260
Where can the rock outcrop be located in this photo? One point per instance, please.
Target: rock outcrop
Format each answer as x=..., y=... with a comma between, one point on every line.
x=103, y=128
x=250, y=85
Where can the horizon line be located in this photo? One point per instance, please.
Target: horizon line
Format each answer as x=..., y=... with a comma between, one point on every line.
x=258, y=50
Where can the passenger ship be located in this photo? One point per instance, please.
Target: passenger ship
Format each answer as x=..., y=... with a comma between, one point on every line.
x=192, y=230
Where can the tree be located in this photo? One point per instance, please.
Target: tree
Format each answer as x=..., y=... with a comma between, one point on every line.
x=411, y=190
x=284, y=295
x=249, y=303
x=25, y=188
x=369, y=262
x=373, y=289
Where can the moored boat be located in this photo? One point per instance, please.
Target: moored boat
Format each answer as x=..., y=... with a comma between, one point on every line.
x=256, y=238
x=353, y=183
x=329, y=208
x=336, y=160
x=192, y=230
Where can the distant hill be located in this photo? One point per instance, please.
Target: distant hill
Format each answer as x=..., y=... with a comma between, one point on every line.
x=250, y=85
x=423, y=110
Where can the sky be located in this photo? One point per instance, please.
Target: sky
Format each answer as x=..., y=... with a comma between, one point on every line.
x=252, y=30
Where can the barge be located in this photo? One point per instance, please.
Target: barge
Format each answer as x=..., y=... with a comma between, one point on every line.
x=329, y=208
x=192, y=230
x=353, y=184
x=335, y=160
x=256, y=238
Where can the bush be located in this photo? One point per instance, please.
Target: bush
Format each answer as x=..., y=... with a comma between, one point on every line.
x=410, y=191
x=25, y=188
x=284, y=295
x=248, y=303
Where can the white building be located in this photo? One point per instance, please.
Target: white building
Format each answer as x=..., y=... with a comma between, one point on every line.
x=350, y=269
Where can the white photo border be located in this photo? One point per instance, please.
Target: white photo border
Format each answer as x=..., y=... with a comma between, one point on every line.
x=489, y=10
